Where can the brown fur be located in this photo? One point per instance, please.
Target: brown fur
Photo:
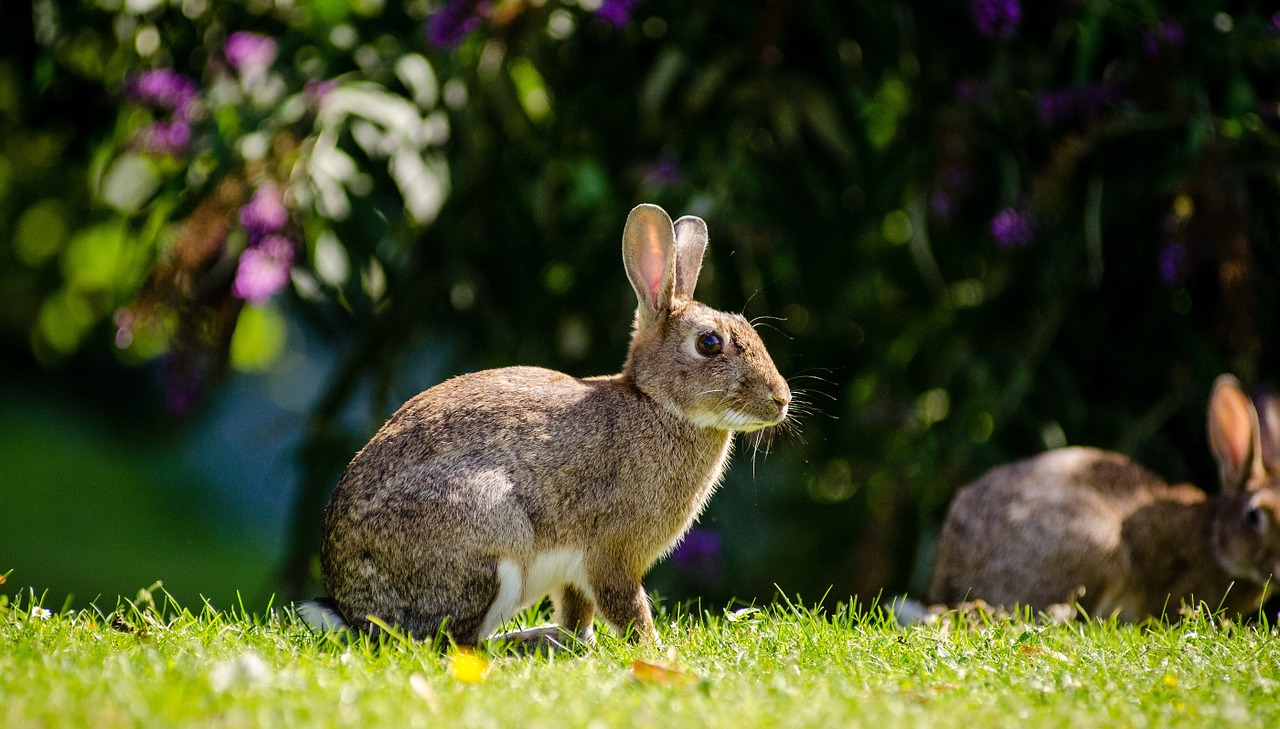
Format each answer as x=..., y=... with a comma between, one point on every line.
x=509, y=464
x=1081, y=524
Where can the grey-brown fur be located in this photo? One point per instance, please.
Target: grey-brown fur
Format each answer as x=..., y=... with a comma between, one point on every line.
x=505, y=465
x=1086, y=524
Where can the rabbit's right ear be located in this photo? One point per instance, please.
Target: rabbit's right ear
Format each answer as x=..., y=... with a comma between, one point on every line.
x=1234, y=434
x=1267, y=400
x=649, y=255
x=691, y=244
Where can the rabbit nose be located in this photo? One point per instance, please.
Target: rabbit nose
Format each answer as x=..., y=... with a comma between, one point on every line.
x=782, y=398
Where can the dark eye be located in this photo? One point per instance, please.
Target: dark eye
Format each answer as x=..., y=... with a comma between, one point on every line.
x=1254, y=517
x=709, y=344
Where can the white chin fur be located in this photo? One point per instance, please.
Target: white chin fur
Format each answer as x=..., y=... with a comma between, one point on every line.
x=728, y=420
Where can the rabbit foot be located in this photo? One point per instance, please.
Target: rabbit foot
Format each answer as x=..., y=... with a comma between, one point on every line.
x=546, y=639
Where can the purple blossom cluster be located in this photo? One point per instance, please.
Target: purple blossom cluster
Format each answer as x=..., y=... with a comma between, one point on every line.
x=617, y=12
x=173, y=95
x=996, y=19
x=454, y=21
x=1012, y=228
x=167, y=137
x=164, y=89
x=699, y=555
x=264, y=266
x=457, y=19
x=250, y=53
x=264, y=269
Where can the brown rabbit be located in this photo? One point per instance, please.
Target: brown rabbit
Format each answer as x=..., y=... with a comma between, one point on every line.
x=490, y=491
x=1086, y=524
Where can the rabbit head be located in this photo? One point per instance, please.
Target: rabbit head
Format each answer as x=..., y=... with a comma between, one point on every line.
x=707, y=367
x=1246, y=443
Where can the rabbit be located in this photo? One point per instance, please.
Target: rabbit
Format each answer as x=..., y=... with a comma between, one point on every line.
x=1091, y=527
x=494, y=489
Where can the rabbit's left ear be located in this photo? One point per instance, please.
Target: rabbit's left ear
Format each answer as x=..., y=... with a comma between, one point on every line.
x=1267, y=401
x=1234, y=435
x=691, y=244
x=648, y=253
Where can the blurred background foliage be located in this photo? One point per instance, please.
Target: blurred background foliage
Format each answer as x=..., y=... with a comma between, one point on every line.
x=234, y=237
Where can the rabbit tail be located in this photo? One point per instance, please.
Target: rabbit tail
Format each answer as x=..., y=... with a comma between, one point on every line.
x=322, y=615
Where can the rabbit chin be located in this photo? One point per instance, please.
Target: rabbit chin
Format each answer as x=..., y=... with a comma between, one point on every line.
x=734, y=420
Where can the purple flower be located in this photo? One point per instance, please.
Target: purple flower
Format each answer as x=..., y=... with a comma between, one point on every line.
x=1012, y=229
x=664, y=172
x=1275, y=21
x=1056, y=106
x=166, y=89
x=263, y=269
x=617, y=12
x=316, y=89
x=165, y=137
x=249, y=53
x=1172, y=262
x=996, y=19
x=452, y=23
x=265, y=213
x=1166, y=35
x=699, y=555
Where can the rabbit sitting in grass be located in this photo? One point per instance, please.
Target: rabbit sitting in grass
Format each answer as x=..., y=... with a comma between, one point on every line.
x=1080, y=524
x=492, y=490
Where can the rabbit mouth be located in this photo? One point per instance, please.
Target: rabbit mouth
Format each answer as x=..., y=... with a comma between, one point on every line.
x=734, y=420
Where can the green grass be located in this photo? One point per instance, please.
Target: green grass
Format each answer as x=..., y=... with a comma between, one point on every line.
x=779, y=666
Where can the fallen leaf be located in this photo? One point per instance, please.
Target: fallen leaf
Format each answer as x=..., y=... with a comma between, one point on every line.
x=423, y=690
x=467, y=667
x=651, y=672
x=741, y=614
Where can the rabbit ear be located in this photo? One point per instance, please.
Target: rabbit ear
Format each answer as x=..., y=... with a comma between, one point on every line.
x=1233, y=434
x=648, y=253
x=1267, y=400
x=691, y=244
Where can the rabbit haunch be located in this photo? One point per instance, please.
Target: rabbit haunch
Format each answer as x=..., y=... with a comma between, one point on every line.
x=1085, y=525
x=494, y=489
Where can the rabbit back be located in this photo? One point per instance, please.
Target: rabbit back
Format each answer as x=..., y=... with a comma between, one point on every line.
x=486, y=492
x=1070, y=525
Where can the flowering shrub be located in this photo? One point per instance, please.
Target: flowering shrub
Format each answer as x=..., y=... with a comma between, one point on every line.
x=986, y=227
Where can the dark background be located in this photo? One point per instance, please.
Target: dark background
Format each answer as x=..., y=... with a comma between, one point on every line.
x=984, y=228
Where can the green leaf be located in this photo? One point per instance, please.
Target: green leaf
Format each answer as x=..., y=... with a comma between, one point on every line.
x=258, y=339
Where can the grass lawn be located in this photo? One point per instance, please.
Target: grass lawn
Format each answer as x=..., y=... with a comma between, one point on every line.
x=160, y=666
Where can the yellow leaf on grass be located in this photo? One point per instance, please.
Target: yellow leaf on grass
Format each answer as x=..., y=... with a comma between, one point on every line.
x=467, y=667
x=651, y=672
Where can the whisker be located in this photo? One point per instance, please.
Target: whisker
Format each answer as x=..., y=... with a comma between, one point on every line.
x=766, y=324
x=766, y=316
x=746, y=303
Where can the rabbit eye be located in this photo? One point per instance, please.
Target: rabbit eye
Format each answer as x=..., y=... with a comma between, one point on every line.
x=709, y=344
x=1255, y=518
